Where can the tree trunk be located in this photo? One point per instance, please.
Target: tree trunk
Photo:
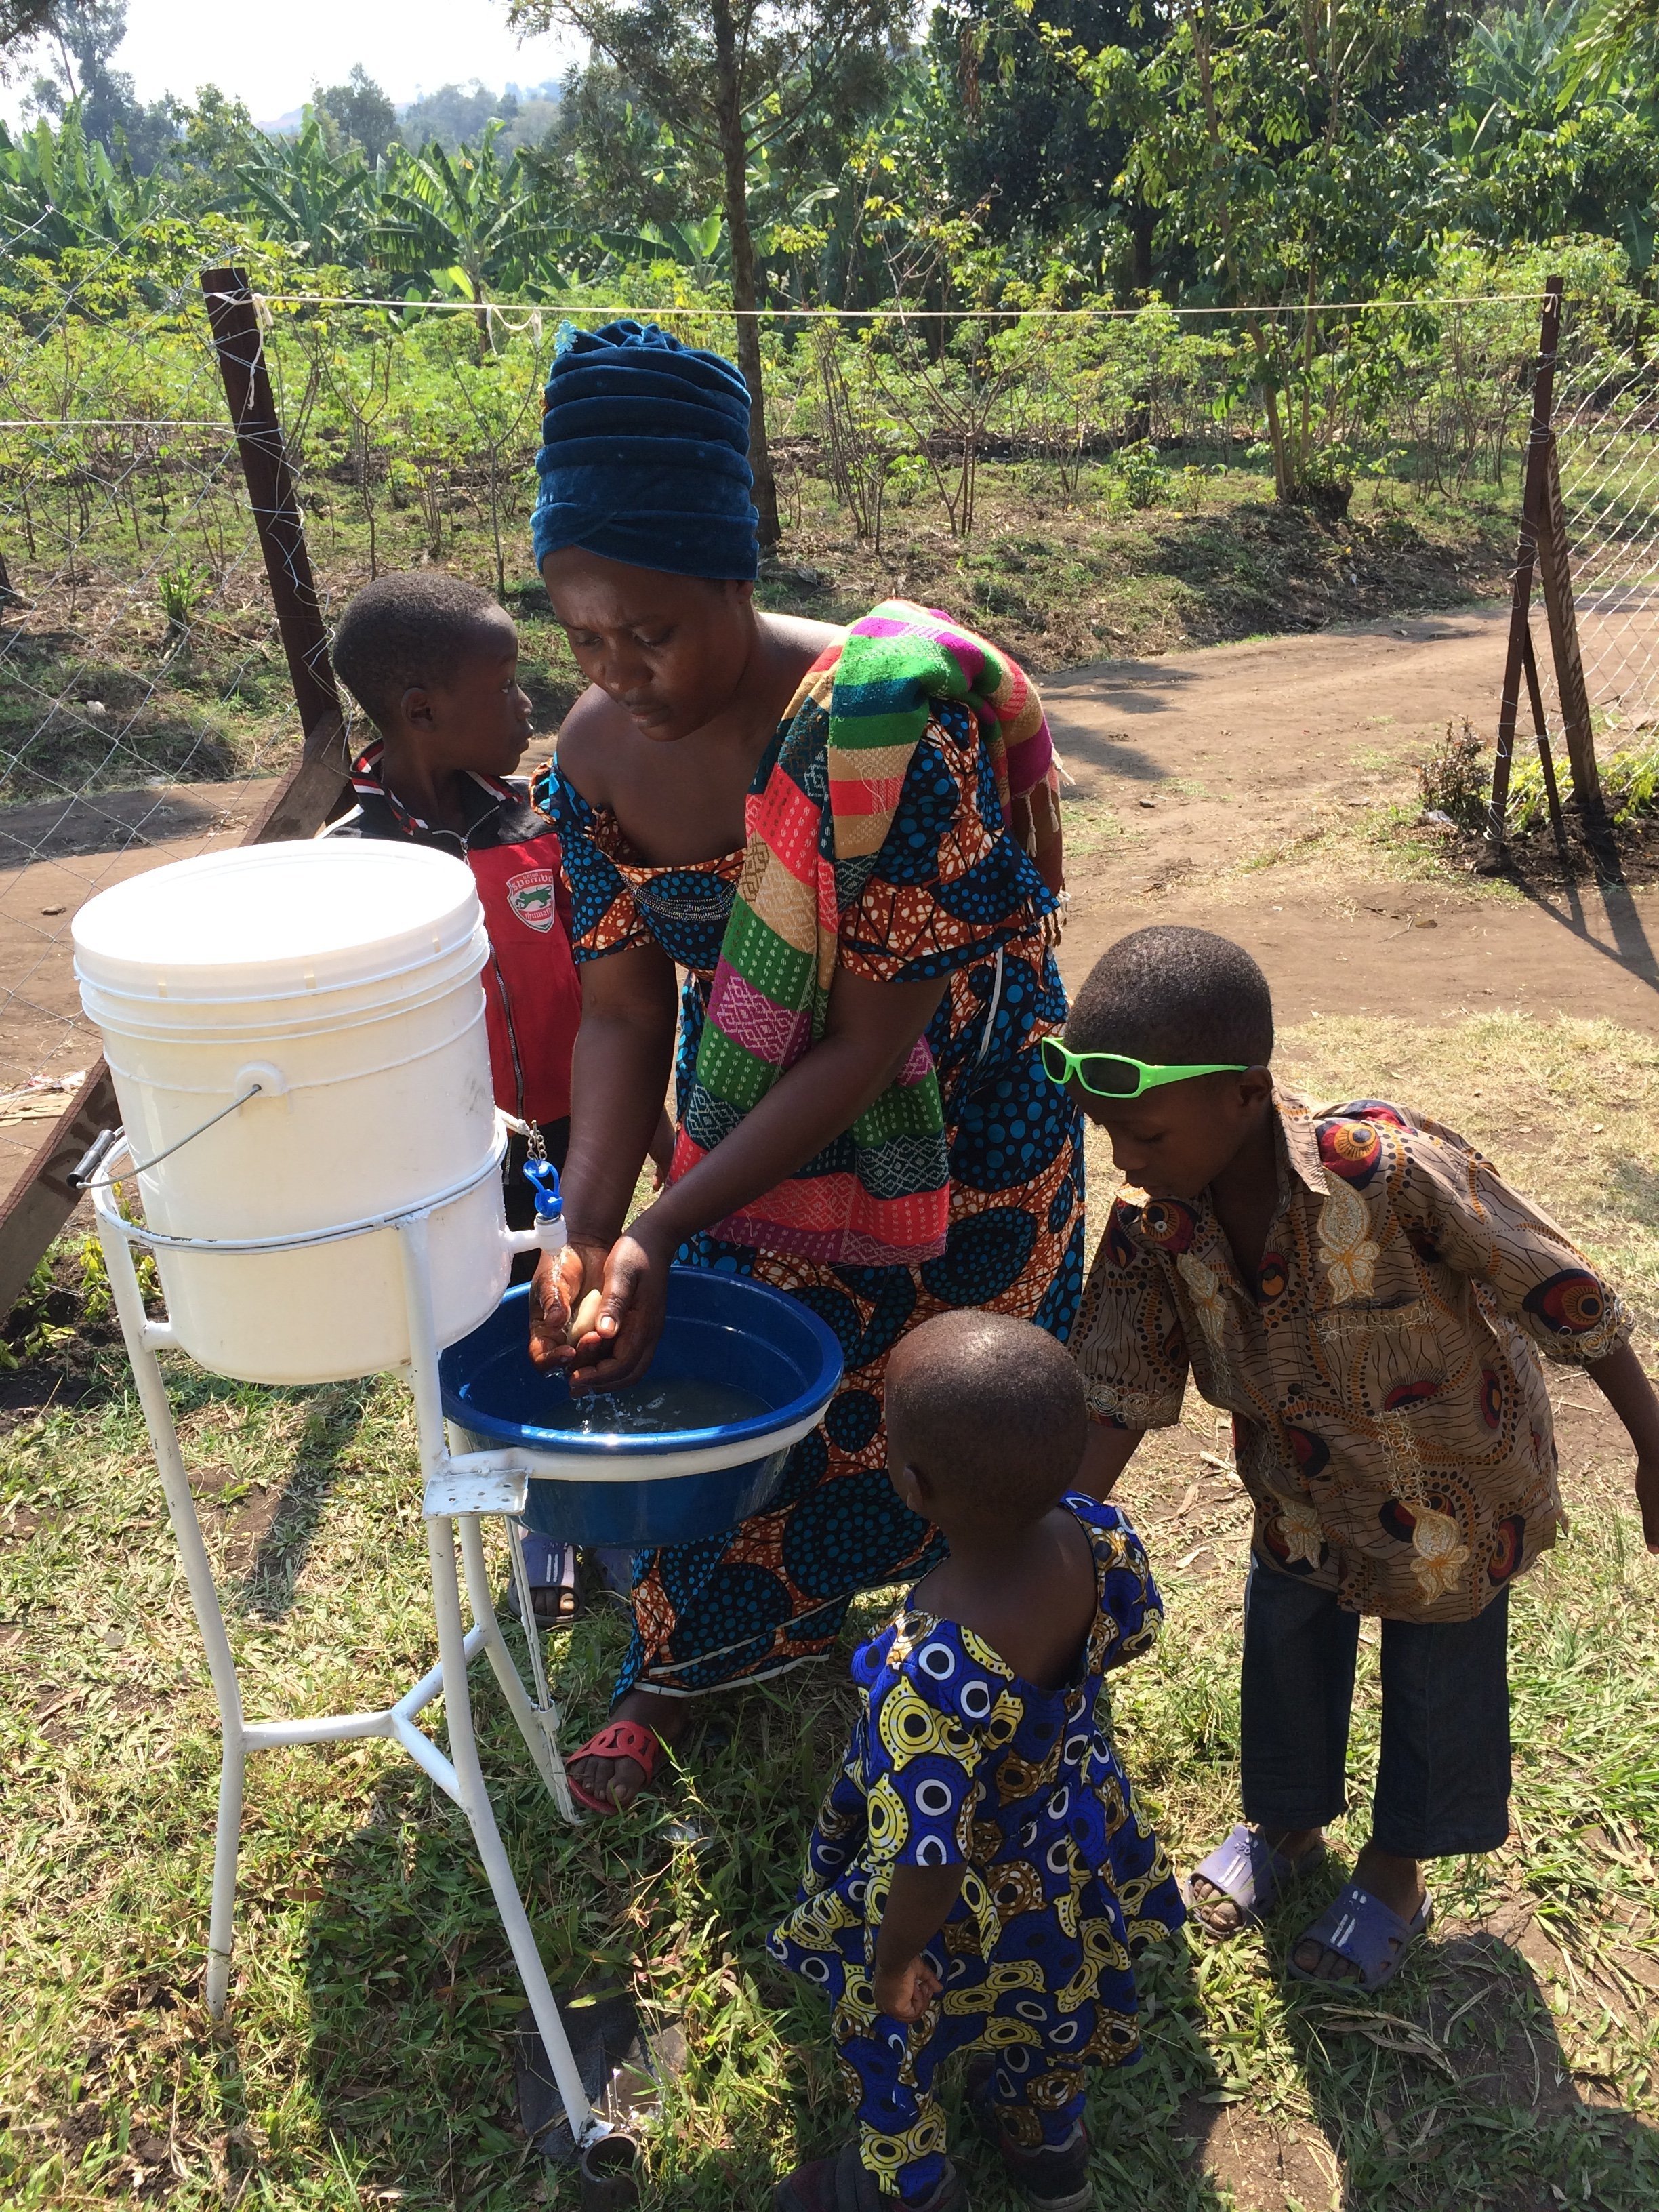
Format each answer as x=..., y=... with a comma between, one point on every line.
x=6, y=592
x=1143, y=221
x=734, y=155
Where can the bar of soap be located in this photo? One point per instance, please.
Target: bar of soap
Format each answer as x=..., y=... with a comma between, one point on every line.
x=583, y=1320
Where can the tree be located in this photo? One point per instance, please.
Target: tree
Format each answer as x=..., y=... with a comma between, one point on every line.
x=621, y=166
x=1251, y=134
x=455, y=116
x=83, y=36
x=465, y=215
x=1020, y=142
x=732, y=77
x=365, y=115
x=22, y=22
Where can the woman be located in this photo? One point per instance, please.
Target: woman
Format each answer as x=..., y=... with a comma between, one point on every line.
x=861, y=1117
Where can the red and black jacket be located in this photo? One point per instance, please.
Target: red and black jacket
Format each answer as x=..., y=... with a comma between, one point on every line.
x=532, y=996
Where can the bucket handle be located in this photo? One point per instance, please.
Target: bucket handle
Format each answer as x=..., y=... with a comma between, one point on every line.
x=78, y=1181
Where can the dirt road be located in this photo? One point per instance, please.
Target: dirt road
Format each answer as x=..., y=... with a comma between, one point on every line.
x=1231, y=787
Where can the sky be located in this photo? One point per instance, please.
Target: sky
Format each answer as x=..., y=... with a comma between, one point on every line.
x=271, y=55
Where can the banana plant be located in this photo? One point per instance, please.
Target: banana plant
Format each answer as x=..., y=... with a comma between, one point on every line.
x=309, y=196
x=59, y=189
x=463, y=224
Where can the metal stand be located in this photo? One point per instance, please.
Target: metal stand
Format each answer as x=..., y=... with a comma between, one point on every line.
x=460, y=1488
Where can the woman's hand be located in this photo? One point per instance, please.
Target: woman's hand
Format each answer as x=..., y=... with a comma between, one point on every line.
x=558, y=1288
x=623, y=1342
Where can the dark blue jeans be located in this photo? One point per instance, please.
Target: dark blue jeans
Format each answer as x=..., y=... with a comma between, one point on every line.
x=1443, y=1785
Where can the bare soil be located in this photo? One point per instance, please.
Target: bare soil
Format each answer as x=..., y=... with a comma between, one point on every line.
x=1254, y=789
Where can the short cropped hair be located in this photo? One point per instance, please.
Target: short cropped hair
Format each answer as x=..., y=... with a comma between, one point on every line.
x=994, y=1407
x=1175, y=997
x=404, y=631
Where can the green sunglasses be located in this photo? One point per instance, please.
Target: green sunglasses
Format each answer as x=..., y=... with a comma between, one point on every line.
x=1114, y=1075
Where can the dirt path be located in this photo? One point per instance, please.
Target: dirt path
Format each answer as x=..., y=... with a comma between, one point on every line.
x=1231, y=788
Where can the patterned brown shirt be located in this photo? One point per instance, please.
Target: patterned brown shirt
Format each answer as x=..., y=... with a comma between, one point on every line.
x=1391, y=1421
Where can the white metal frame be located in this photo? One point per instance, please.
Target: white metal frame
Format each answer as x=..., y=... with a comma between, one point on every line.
x=459, y=1490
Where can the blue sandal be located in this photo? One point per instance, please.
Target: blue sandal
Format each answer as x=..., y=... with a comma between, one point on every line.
x=1248, y=1872
x=1361, y=1928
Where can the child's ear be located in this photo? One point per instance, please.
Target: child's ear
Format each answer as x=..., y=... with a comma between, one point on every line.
x=416, y=708
x=907, y=1480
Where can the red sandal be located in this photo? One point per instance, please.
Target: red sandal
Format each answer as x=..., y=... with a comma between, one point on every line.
x=616, y=1740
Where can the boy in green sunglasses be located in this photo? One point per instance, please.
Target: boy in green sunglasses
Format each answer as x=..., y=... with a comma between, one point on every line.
x=1369, y=1300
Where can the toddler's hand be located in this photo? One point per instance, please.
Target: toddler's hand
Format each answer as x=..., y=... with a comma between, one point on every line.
x=906, y=1992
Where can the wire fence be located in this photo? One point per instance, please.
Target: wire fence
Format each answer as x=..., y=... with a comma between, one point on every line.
x=1607, y=418
x=145, y=708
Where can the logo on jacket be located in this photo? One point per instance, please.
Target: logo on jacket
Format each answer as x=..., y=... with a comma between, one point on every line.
x=531, y=897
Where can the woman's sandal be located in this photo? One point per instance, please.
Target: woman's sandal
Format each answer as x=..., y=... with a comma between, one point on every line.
x=844, y=2184
x=616, y=1740
x=1251, y=1874
x=1359, y=1928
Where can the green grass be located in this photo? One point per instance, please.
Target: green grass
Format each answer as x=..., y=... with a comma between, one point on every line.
x=366, y=2059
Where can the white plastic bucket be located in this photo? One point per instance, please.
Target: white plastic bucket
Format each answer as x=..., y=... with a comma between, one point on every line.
x=342, y=976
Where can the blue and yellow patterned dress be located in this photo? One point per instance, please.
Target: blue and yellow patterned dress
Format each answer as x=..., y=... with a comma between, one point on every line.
x=956, y=1760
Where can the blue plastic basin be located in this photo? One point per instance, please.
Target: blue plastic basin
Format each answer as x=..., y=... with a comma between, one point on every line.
x=668, y=1489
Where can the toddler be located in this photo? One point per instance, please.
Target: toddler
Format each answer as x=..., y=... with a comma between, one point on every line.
x=978, y=1880
x=1369, y=1300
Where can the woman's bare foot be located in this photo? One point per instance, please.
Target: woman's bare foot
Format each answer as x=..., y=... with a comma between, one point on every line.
x=1219, y=1913
x=1395, y=1881
x=619, y=1781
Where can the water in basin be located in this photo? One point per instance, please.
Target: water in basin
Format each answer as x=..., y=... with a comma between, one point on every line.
x=650, y=1409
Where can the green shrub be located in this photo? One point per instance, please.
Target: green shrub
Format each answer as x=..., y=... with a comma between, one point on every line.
x=1145, y=479
x=1456, y=780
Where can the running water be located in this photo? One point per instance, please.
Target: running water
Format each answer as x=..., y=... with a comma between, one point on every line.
x=650, y=1408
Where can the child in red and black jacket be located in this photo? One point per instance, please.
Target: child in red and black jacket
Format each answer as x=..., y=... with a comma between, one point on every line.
x=434, y=663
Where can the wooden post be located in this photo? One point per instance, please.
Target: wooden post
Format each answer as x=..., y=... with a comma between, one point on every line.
x=303, y=799
x=1545, y=758
x=1556, y=576
x=1526, y=553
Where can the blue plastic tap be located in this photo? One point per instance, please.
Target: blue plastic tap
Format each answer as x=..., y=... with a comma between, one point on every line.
x=544, y=1179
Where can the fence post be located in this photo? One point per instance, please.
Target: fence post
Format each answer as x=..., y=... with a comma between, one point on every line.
x=303, y=799
x=1526, y=553
x=1556, y=575
x=302, y=802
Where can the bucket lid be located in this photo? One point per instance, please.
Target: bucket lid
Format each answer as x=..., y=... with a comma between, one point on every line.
x=271, y=921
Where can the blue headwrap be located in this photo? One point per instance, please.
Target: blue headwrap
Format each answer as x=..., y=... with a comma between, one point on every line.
x=645, y=455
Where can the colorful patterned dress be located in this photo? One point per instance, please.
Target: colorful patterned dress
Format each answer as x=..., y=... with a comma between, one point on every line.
x=954, y=1761
x=951, y=895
